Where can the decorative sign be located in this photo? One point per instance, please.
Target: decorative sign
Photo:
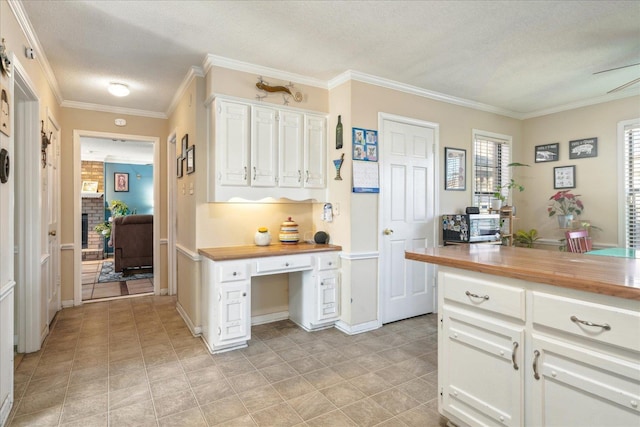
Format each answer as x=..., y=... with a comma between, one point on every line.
x=581, y=148
x=547, y=153
x=365, y=177
x=564, y=177
x=365, y=145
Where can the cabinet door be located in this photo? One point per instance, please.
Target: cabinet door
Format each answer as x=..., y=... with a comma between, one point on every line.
x=315, y=151
x=234, y=320
x=264, y=147
x=232, y=143
x=291, y=131
x=328, y=297
x=6, y=352
x=480, y=369
x=577, y=386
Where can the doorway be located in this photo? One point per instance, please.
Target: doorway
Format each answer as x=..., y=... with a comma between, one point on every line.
x=407, y=215
x=121, y=169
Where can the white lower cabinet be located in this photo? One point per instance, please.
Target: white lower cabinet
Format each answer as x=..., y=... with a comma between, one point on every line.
x=6, y=351
x=516, y=353
x=314, y=299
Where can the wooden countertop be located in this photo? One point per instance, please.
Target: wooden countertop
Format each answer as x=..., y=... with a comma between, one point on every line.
x=253, y=251
x=618, y=277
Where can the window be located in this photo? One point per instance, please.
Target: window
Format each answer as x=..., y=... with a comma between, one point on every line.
x=629, y=136
x=491, y=155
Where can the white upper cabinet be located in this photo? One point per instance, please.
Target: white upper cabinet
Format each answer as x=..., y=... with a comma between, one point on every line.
x=259, y=151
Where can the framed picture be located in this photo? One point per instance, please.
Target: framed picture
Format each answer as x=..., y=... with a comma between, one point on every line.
x=365, y=144
x=582, y=148
x=185, y=144
x=179, y=171
x=547, y=152
x=120, y=182
x=564, y=177
x=5, y=117
x=455, y=169
x=89, y=186
x=191, y=159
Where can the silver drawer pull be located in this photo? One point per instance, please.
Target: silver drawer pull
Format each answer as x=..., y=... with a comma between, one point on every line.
x=536, y=354
x=469, y=294
x=286, y=264
x=255, y=173
x=513, y=355
x=606, y=326
x=245, y=174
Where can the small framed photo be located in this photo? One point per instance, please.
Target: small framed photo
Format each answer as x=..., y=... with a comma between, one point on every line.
x=582, y=148
x=179, y=171
x=89, y=186
x=564, y=177
x=185, y=144
x=5, y=116
x=120, y=182
x=547, y=152
x=455, y=169
x=191, y=159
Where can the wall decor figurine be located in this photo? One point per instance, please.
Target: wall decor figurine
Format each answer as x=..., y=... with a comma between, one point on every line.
x=338, y=164
x=339, y=133
x=5, y=63
x=46, y=140
x=267, y=88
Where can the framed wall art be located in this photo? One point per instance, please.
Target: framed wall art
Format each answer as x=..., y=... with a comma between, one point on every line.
x=179, y=163
x=191, y=159
x=120, y=182
x=365, y=144
x=185, y=144
x=564, y=177
x=547, y=152
x=455, y=169
x=583, y=148
x=89, y=186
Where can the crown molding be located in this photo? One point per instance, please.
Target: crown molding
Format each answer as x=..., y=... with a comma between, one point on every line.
x=584, y=103
x=112, y=109
x=25, y=25
x=414, y=90
x=193, y=72
x=219, y=61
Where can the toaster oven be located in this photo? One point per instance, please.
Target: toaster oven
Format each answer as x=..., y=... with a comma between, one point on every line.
x=471, y=228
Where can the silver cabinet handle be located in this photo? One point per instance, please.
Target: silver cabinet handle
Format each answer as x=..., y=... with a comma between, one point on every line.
x=299, y=175
x=469, y=294
x=605, y=326
x=255, y=173
x=219, y=331
x=306, y=174
x=536, y=355
x=513, y=355
x=245, y=173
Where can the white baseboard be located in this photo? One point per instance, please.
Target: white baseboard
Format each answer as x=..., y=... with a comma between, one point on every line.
x=67, y=303
x=195, y=330
x=164, y=291
x=357, y=329
x=268, y=318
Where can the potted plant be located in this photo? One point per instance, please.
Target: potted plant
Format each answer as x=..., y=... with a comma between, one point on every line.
x=526, y=238
x=117, y=208
x=566, y=205
x=503, y=192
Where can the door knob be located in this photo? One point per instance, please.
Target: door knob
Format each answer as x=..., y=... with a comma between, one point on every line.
x=52, y=233
x=388, y=231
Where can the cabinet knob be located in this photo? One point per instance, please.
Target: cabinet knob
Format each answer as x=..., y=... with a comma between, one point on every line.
x=321, y=283
x=235, y=273
x=330, y=263
x=286, y=264
x=387, y=231
x=244, y=294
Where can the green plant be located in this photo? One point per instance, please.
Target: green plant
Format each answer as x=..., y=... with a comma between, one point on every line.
x=117, y=208
x=526, y=238
x=509, y=186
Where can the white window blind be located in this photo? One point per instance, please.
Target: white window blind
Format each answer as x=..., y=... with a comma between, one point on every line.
x=632, y=185
x=491, y=155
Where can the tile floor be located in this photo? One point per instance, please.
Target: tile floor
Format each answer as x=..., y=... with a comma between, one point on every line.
x=133, y=362
x=93, y=290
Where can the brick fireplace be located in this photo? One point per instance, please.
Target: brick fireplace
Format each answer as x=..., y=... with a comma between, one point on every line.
x=93, y=207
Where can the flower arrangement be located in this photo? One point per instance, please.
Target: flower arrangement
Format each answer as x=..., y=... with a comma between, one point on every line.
x=565, y=203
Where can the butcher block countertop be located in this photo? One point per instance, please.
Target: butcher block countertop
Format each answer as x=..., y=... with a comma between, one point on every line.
x=229, y=253
x=618, y=277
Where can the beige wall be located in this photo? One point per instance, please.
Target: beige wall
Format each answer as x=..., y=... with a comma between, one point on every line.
x=596, y=177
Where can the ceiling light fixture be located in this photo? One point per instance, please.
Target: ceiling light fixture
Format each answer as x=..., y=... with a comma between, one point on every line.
x=118, y=89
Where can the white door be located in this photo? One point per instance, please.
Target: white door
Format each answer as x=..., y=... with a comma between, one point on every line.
x=264, y=147
x=51, y=199
x=407, y=218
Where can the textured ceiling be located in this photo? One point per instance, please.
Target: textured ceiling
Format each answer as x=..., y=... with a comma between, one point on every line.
x=520, y=57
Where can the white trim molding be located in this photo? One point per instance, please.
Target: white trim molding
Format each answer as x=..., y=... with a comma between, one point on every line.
x=112, y=109
x=359, y=328
x=195, y=330
x=268, y=318
x=360, y=255
x=67, y=247
x=193, y=256
x=193, y=72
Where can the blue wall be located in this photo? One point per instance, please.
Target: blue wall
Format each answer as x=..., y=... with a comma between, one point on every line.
x=139, y=198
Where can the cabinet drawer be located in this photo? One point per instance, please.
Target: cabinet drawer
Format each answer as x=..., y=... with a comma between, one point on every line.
x=284, y=264
x=484, y=295
x=328, y=262
x=232, y=272
x=599, y=322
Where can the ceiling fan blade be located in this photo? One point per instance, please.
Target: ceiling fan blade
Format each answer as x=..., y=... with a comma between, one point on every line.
x=624, y=86
x=617, y=68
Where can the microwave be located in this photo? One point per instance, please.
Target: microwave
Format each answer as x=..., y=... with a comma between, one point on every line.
x=471, y=228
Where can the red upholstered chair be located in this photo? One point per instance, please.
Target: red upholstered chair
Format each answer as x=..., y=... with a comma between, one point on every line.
x=578, y=241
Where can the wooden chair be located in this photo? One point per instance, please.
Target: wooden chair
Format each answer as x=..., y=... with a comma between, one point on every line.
x=578, y=241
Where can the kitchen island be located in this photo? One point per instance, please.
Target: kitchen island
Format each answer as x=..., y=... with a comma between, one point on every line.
x=533, y=337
